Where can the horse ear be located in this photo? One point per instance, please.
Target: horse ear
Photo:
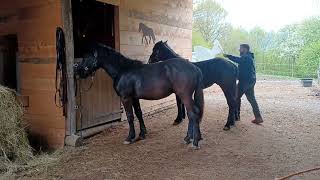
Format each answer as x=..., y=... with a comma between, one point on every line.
x=95, y=54
x=166, y=42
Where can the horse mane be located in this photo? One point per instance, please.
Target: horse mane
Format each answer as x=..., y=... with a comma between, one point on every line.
x=170, y=49
x=123, y=62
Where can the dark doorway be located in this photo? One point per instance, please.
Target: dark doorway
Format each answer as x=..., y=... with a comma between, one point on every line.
x=8, y=61
x=93, y=21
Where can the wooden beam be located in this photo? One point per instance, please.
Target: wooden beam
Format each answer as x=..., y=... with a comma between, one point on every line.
x=68, y=31
x=113, y=2
x=116, y=28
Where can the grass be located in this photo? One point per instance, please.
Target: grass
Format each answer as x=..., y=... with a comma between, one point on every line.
x=275, y=77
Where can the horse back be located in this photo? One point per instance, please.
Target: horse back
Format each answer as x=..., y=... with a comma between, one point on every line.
x=217, y=70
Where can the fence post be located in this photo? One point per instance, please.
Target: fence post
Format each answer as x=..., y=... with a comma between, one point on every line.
x=292, y=69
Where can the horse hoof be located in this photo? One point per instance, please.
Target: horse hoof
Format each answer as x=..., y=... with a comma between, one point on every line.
x=176, y=122
x=195, y=147
x=127, y=142
x=140, y=138
x=187, y=140
x=226, y=128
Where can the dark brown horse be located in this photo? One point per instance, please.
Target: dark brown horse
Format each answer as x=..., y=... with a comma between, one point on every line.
x=133, y=80
x=216, y=70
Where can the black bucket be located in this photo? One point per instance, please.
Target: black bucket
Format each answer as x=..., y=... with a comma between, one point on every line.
x=306, y=82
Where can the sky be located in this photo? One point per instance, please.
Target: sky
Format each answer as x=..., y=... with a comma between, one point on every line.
x=269, y=14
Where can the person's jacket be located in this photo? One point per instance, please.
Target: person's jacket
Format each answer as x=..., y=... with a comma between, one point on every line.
x=247, y=70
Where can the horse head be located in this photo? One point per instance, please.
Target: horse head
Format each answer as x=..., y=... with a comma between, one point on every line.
x=159, y=52
x=88, y=65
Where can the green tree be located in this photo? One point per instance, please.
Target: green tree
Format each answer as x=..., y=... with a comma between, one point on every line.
x=197, y=40
x=309, y=60
x=310, y=30
x=233, y=38
x=209, y=19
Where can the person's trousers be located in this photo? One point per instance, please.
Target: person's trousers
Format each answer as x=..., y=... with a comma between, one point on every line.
x=247, y=88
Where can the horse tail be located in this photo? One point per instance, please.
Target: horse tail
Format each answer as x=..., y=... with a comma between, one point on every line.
x=198, y=96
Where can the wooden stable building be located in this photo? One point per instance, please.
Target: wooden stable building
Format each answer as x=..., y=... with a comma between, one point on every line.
x=28, y=55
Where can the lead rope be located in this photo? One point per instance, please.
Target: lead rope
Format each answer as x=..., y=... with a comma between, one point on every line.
x=298, y=173
x=60, y=96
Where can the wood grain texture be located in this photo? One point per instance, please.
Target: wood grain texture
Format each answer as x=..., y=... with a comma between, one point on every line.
x=170, y=20
x=34, y=22
x=99, y=103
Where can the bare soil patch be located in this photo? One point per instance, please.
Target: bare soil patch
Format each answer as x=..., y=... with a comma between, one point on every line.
x=287, y=142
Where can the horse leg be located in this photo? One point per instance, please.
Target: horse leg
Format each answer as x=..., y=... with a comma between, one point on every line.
x=138, y=112
x=127, y=103
x=146, y=40
x=142, y=39
x=183, y=111
x=189, y=138
x=194, y=120
x=180, y=107
x=229, y=93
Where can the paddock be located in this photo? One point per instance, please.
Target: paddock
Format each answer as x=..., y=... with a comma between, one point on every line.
x=287, y=142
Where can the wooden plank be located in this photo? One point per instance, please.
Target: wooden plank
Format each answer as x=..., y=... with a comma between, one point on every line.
x=34, y=22
x=38, y=60
x=113, y=2
x=30, y=71
x=66, y=11
x=17, y=4
x=41, y=103
x=116, y=28
x=53, y=137
x=41, y=11
x=24, y=100
x=170, y=20
x=99, y=103
x=41, y=84
x=50, y=121
x=153, y=11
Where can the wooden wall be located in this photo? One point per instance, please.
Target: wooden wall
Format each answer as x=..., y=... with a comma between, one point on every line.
x=170, y=20
x=35, y=22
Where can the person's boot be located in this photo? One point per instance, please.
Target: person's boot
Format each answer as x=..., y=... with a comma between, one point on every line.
x=258, y=120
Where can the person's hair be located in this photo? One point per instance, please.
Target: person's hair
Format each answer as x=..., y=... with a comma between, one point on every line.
x=246, y=46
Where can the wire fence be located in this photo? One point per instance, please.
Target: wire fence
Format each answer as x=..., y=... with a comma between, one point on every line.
x=290, y=70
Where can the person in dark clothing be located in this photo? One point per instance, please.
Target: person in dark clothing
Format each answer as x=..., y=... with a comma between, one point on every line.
x=247, y=80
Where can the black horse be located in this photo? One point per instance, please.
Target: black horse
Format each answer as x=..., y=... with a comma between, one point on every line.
x=133, y=80
x=216, y=70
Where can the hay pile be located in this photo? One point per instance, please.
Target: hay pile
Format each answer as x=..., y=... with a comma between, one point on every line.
x=14, y=145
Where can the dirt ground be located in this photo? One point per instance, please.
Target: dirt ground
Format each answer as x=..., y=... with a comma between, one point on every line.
x=288, y=141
